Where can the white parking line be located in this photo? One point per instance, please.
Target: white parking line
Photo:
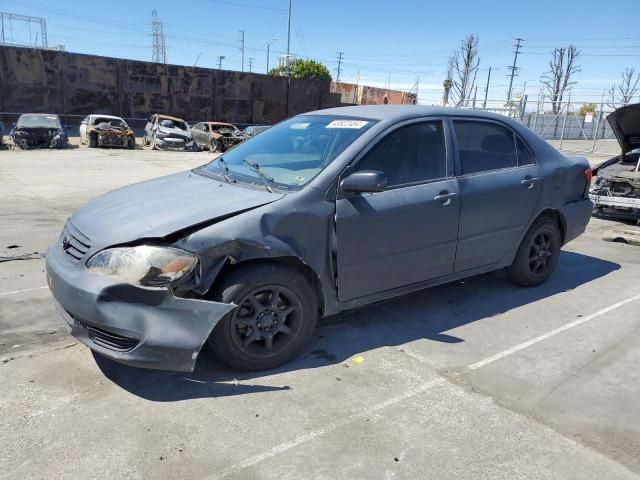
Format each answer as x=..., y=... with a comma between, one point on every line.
x=283, y=447
x=22, y=291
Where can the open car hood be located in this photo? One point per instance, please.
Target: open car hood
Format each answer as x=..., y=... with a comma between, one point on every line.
x=625, y=123
x=162, y=206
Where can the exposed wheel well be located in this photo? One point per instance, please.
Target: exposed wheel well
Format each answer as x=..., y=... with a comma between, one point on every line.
x=557, y=217
x=291, y=262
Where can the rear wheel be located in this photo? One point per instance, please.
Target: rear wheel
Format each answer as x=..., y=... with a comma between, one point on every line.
x=131, y=143
x=275, y=316
x=537, y=255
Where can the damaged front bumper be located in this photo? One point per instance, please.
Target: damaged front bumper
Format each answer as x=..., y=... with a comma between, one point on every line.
x=142, y=327
x=174, y=143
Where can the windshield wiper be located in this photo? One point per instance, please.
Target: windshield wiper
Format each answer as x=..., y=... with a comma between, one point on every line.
x=265, y=176
x=224, y=165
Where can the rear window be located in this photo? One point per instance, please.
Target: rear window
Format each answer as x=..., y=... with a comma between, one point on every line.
x=484, y=146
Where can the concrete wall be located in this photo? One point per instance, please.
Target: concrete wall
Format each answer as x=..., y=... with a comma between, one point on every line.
x=363, y=95
x=36, y=80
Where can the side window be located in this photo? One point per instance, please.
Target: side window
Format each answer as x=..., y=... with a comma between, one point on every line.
x=484, y=146
x=205, y=127
x=525, y=157
x=413, y=153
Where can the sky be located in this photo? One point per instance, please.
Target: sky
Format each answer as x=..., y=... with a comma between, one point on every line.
x=382, y=41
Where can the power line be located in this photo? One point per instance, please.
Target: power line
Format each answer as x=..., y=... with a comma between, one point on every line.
x=339, y=69
x=513, y=67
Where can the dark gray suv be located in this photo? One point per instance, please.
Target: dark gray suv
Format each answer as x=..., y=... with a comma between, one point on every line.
x=321, y=213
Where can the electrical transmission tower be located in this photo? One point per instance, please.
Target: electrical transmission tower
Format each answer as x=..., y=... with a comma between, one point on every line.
x=251, y=64
x=339, y=69
x=7, y=20
x=513, y=69
x=242, y=47
x=159, y=46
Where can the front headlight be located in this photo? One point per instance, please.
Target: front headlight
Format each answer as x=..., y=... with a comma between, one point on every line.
x=144, y=265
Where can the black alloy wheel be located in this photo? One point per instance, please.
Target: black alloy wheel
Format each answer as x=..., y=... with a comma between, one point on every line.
x=275, y=315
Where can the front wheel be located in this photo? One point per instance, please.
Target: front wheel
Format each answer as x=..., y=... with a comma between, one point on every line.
x=537, y=255
x=216, y=146
x=275, y=316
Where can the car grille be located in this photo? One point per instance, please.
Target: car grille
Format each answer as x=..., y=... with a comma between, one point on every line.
x=110, y=340
x=74, y=243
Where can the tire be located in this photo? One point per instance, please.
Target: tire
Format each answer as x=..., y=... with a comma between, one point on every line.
x=131, y=143
x=241, y=338
x=216, y=146
x=537, y=255
x=93, y=141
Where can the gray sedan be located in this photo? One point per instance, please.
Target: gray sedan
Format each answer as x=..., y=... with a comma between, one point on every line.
x=321, y=213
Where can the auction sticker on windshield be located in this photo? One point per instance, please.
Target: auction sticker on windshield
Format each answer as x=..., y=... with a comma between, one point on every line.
x=347, y=124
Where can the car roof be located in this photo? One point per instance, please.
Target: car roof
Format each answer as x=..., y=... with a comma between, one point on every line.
x=105, y=116
x=39, y=115
x=220, y=123
x=400, y=112
x=169, y=117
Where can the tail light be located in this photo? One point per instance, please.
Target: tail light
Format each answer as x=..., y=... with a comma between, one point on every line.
x=588, y=175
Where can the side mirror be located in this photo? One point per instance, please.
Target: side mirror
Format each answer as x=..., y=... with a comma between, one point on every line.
x=364, y=181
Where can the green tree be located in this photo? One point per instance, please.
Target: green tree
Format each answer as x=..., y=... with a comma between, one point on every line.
x=586, y=108
x=303, y=68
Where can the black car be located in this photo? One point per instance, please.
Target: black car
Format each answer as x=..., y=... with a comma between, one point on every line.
x=39, y=130
x=321, y=213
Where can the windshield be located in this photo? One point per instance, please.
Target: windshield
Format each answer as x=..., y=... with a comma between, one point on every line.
x=173, y=124
x=42, y=121
x=114, y=122
x=293, y=152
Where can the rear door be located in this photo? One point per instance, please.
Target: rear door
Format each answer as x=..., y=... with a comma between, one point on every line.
x=500, y=185
x=407, y=233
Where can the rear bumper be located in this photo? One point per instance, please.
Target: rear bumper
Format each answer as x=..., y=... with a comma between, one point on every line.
x=576, y=216
x=171, y=143
x=136, y=326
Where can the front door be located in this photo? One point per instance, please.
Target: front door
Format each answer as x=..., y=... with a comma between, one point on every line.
x=500, y=185
x=406, y=234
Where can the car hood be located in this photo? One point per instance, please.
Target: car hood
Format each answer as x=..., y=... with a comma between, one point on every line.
x=175, y=131
x=162, y=206
x=625, y=123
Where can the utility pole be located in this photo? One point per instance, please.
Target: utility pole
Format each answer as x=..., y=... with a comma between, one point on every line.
x=220, y=58
x=486, y=89
x=288, y=58
x=475, y=95
x=355, y=92
x=273, y=40
x=250, y=64
x=513, y=67
x=339, y=69
x=242, y=47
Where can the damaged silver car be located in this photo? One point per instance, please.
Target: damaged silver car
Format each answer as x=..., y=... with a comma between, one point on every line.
x=39, y=130
x=616, y=187
x=164, y=132
x=323, y=212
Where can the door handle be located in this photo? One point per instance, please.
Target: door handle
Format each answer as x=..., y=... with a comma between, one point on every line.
x=445, y=197
x=530, y=182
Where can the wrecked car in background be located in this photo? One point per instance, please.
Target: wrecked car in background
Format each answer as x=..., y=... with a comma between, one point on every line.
x=216, y=136
x=253, y=130
x=616, y=188
x=39, y=130
x=106, y=131
x=324, y=212
x=164, y=132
